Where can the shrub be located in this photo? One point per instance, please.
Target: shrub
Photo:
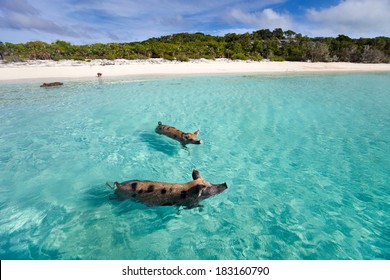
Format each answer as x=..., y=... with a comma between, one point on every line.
x=168, y=57
x=256, y=57
x=371, y=55
x=276, y=58
x=239, y=56
x=182, y=58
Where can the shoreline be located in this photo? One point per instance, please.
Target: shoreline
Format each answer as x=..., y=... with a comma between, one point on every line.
x=50, y=71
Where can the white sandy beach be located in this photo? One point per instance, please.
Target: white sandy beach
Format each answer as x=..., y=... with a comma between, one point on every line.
x=68, y=69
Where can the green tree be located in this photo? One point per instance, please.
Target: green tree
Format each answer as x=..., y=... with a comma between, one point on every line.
x=278, y=33
x=289, y=34
x=2, y=50
x=275, y=45
x=263, y=34
x=317, y=51
x=38, y=50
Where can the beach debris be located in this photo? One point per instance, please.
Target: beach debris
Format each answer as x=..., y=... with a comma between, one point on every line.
x=99, y=74
x=169, y=194
x=174, y=133
x=107, y=63
x=52, y=84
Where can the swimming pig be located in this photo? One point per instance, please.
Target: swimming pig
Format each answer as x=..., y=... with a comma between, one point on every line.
x=166, y=194
x=52, y=84
x=174, y=133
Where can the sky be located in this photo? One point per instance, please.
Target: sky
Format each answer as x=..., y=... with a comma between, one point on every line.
x=104, y=21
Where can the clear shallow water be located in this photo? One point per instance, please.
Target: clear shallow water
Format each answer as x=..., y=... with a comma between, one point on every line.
x=306, y=159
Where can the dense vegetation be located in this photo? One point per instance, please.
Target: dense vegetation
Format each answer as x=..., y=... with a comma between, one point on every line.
x=276, y=45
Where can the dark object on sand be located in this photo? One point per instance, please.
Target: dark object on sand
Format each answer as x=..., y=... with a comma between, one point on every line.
x=52, y=84
x=99, y=74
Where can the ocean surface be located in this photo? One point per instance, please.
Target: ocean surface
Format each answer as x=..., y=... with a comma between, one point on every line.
x=306, y=159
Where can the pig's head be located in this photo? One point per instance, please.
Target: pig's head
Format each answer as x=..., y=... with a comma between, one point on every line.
x=206, y=189
x=190, y=138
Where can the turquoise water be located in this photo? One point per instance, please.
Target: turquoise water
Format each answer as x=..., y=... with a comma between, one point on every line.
x=306, y=159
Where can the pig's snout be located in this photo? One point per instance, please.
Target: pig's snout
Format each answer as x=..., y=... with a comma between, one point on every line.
x=223, y=186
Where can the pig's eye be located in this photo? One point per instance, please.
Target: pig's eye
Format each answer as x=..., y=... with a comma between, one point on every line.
x=200, y=186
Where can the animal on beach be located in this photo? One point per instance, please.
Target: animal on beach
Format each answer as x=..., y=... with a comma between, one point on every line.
x=52, y=84
x=174, y=133
x=167, y=194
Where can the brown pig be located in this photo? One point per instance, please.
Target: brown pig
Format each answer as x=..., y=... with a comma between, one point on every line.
x=52, y=84
x=174, y=133
x=166, y=194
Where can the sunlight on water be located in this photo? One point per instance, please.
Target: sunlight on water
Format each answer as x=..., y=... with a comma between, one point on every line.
x=306, y=159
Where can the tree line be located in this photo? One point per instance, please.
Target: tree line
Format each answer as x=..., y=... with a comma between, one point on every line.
x=276, y=45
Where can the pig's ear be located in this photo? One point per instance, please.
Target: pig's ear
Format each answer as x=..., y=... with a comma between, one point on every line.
x=196, y=174
x=196, y=132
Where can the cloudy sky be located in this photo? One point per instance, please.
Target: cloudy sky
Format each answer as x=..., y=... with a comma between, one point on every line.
x=91, y=21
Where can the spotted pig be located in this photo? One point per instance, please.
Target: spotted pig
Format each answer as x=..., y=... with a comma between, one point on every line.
x=174, y=133
x=167, y=194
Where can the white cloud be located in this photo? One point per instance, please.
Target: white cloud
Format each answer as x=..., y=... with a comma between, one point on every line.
x=21, y=15
x=265, y=19
x=83, y=21
x=356, y=18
